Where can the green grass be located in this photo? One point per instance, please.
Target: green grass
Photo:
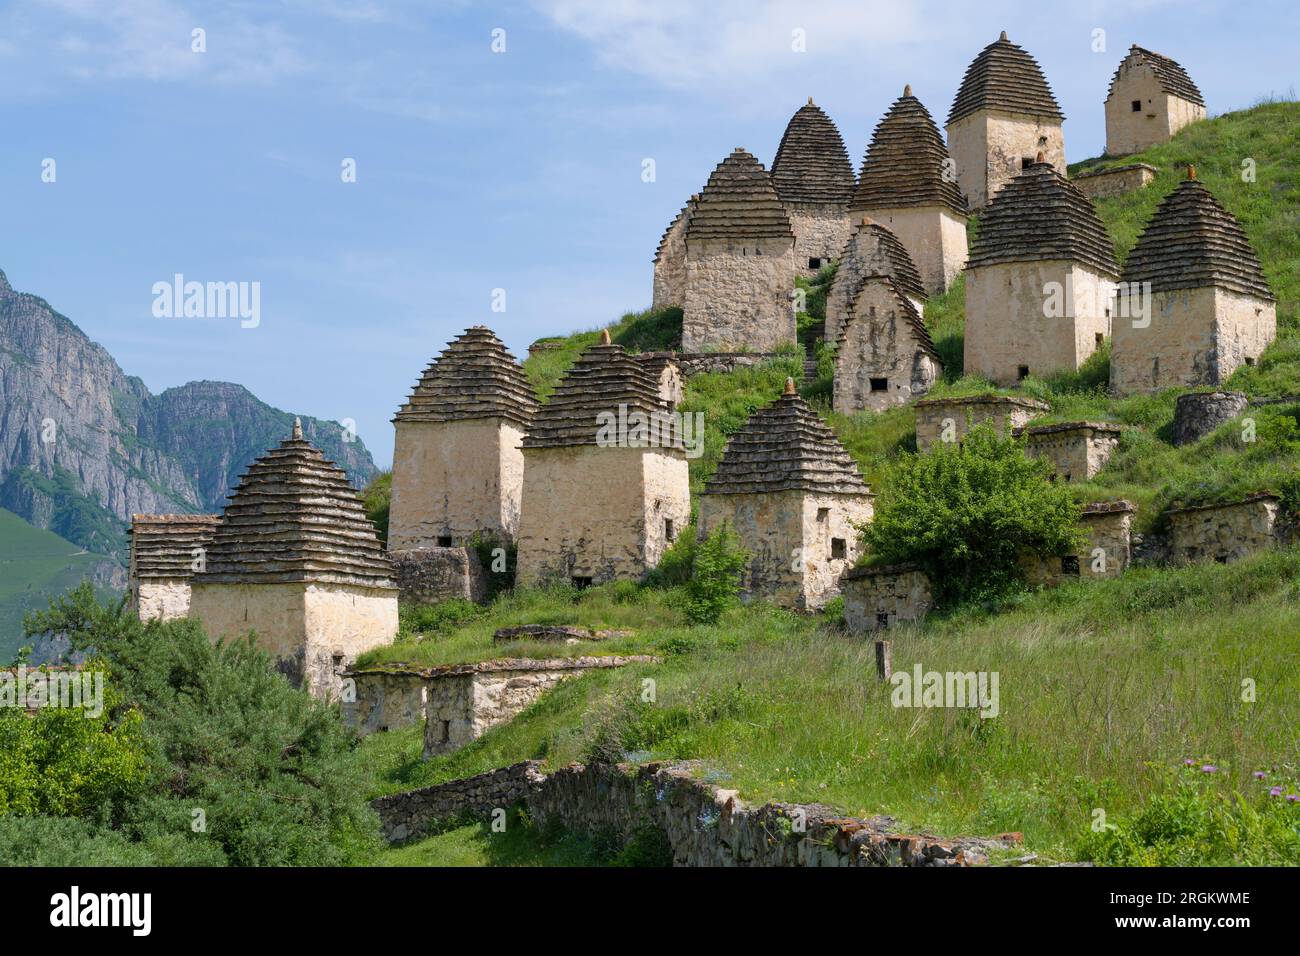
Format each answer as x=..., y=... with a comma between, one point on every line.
x=1104, y=687
x=35, y=566
x=518, y=844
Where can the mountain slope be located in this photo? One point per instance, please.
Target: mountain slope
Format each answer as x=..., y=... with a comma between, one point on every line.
x=83, y=446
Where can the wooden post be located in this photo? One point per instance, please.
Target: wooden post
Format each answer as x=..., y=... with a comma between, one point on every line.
x=884, y=659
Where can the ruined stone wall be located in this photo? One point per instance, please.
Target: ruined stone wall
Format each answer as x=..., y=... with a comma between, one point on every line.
x=738, y=295
x=410, y=815
x=847, y=279
x=453, y=479
x=934, y=237
x=431, y=575
x=1076, y=454
x=1194, y=337
x=1162, y=114
x=670, y=268
x=820, y=232
x=933, y=416
x=885, y=597
x=164, y=599
x=312, y=630
x=384, y=700
x=1115, y=182
x=789, y=536
x=1107, y=550
x=1223, y=532
x=598, y=512
x=990, y=148
x=1006, y=327
x=880, y=343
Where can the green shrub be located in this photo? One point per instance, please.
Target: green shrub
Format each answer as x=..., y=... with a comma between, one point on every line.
x=715, y=585
x=677, y=563
x=966, y=512
x=67, y=841
x=376, y=499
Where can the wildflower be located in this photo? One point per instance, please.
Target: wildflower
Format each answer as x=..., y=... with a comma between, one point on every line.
x=1209, y=768
x=1275, y=792
x=1260, y=775
x=1292, y=798
x=1189, y=762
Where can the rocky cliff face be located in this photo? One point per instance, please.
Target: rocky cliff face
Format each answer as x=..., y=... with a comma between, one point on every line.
x=83, y=446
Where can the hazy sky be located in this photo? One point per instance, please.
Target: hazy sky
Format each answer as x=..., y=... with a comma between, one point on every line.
x=475, y=170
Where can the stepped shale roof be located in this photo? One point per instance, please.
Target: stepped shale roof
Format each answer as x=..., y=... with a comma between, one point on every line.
x=906, y=162
x=887, y=246
x=739, y=202
x=473, y=377
x=1173, y=79
x=295, y=518
x=1004, y=77
x=164, y=546
x=604, y=378
x=1042, y=215
x=1192, y=242
x=909, y=313
x=811, y=163
x=680, y=217
x=785, y=447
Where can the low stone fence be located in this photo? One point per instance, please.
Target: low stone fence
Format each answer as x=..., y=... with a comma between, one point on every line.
x=1225, y=532
x=1105, y=183
x=698, y=363
x=406, y=816
x=704, y=824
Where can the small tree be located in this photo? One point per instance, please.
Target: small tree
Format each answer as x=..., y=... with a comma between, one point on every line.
x=965, y=513
x=715, y=585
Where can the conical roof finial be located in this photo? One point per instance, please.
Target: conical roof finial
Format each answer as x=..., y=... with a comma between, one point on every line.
x=604, y=337
x=1040, y=158
x=907, y=89
x=810, y=102
x=1191, y=170
x=789, y=386
x=297, y=429
x=1003, y=36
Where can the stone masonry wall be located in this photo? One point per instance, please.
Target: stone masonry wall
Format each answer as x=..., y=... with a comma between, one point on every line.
x=738, y=295
x=1224, y=532
x=437, y=574
x=704, y=825
x=163, y=599
x=1107, y=183
x=1161, y=116
x=599, y=512
x=1006, y=327
x=384, y=700
x=670, y=268
x=878, y=598
x=1107, y=551
x=1077, y=452
x=933, y=416
x=990, y=147
x=934, y=237
x=880, y=343
x=820, y=232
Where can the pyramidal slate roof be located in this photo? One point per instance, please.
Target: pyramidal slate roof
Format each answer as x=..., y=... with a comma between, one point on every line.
x=785, y=447
x=909, y=313
x=811, y=163
x=905, y=163
x=1004, y=77
x=604, y=378
x=1042, y=215
x=473, y=377
x=1192, y=242
x=900, y=267
x=164, y=546
x=295, y=518
x=683, y=215
x=1173, y=79
x=739, y=202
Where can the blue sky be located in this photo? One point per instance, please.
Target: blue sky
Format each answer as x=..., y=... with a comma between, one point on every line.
x=476, y=170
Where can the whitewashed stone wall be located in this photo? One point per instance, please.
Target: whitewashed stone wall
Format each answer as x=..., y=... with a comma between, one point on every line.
x=820, y=232
x=938, y=417
x=884, y=597
x=1191, y=337
x=1107, y=183
x=738, y=295
x=789, y=536
x=383, y=700
x=670, y=268
x=430, y=575
x=935, y=238
x=1077, y=450
x=990, y=148
x=1224, y=532
x=163, y=599
x=1160, y=117
x=1006, y=324
x=848, y=277
x=880, y=343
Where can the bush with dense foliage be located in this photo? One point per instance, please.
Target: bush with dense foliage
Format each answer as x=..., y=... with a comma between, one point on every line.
x=966, y=512
x=715, y=585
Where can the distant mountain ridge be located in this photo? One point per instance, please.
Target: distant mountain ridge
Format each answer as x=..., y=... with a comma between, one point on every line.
x=83, y=446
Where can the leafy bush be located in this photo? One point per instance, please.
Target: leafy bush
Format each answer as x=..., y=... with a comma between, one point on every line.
x=715, y=585
x=376, y=499
x=262, y=773
x=966, y=512
x=677, y=563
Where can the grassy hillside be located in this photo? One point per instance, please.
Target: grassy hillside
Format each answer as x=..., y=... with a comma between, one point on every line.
x=1126, y=696
x=35, y=566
